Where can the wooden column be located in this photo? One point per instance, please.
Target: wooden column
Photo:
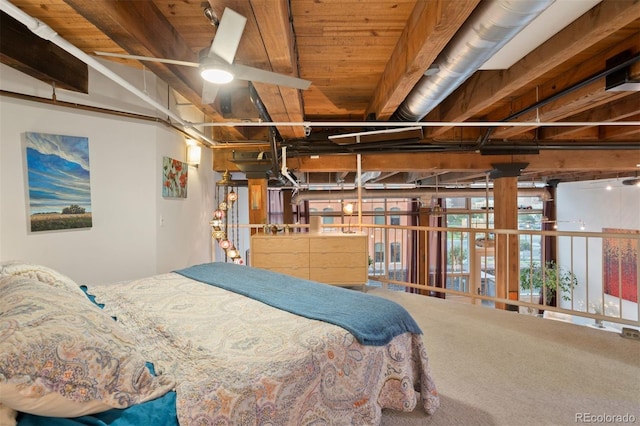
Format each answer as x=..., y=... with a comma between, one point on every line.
x=287, y=208
x=423, y=250
x=507, y=254
x=257, y=200
x=549, y=211
x=432, y=263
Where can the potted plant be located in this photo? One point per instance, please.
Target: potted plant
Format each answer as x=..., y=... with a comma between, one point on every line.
x=553, y=278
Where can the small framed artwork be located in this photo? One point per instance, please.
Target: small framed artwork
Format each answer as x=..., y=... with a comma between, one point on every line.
x=58, y=182
x=174, y=178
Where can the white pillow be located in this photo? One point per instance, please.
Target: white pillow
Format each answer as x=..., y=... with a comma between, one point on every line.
x=40, y=273
x=54, y=343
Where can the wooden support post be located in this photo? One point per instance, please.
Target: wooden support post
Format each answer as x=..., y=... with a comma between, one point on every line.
x=287, y=208
x=433, y=263
x=423, y=250
x=507, y=260
x=257, y=201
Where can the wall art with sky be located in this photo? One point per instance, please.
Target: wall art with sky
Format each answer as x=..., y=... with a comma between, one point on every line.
x=58, y=180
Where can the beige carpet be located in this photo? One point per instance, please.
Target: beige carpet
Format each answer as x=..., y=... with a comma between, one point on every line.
x=501, y=368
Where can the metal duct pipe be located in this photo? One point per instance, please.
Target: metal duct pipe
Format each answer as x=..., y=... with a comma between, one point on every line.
x=423, y=193
x=367, y=176
x=490, y=27
x=45, y=32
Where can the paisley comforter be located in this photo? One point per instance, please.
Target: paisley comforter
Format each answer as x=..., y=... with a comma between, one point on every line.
x=239, y=361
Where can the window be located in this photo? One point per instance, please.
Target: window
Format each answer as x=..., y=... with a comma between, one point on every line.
x=394, y=252
x=395, y=219
x=378, y=218
x=379, y=252
x=327, y=220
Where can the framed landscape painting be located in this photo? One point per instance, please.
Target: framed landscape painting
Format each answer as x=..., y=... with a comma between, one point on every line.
x=58, y=181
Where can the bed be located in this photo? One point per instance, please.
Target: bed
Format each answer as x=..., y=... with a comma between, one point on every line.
x=212, y=344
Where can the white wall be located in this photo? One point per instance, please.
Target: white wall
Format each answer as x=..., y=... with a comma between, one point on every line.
x=591, y=204
x=128, y=239
x=598, y=207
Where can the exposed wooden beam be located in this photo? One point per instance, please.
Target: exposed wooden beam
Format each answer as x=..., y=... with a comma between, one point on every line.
x=283, y=103
x=223, y=155
x=483, y=90
x=621, y=132
x=431, y=26
x=21, y=49
x=577, y=101
x=568, y=160
x=625, y=108
x=594, y=160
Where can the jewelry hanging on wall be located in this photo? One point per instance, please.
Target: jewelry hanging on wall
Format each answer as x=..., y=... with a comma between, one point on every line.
x=224, y=224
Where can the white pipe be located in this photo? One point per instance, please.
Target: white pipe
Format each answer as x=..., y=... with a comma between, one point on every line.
x=419, y=124
x=373, y=132
x=47, y=33
x=284, y=170
x=492, y=24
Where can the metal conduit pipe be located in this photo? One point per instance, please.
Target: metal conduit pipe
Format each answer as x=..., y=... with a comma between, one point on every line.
x=423, y=193
x=45, y=32
x=492, y=24
x=595, y=77
x=83, y=107
x=274, y=133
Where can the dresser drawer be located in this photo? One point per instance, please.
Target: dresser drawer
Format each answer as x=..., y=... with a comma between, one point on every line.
x=279, y=244
x=280, y=260
x=337, y=260
x=338, y=244
x=292, y=271
x=338, y=275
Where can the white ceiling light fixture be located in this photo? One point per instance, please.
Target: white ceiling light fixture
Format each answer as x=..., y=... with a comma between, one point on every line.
x=217, y=64
x=215, y=74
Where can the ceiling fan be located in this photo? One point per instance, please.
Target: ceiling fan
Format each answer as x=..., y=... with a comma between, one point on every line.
x=216, y=65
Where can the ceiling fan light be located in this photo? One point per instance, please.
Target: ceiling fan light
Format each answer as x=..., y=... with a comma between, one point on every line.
x=216, y=75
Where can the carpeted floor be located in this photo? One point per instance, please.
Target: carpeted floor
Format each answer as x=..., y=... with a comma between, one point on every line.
x=501, y=368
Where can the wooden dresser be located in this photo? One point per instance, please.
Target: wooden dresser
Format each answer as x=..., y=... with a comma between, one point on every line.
x=338, y=259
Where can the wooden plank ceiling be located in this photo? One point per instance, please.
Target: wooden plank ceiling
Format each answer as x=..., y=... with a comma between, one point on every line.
x=363, y=58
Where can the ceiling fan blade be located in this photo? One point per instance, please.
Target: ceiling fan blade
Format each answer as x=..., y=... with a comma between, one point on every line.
x=227, y=38
x=149, y=58
x=209, y=92
x=244, y=72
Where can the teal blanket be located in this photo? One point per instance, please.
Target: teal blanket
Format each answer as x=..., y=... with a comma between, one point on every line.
x=372, y=320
